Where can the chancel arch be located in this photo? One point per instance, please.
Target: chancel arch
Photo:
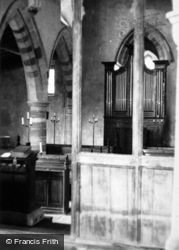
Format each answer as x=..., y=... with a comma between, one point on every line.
x=119, y=93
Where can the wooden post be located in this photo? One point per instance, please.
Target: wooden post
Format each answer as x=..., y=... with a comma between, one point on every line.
x=76, y=111
x=138, y=78
x=173, y=241
x=138, y=113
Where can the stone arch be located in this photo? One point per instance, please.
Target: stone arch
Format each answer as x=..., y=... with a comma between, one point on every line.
x=63, y=49
x=62, y=52
x=30, y=47
x=34, y=62
x=155, y=37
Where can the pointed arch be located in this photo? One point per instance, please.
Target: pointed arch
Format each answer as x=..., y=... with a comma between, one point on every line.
x=30, y=47
x=63, y=49
x=154, y=37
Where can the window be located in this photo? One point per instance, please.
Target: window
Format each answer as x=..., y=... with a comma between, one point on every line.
x=51, y=82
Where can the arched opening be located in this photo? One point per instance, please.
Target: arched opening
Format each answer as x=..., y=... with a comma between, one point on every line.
x=119, y=93
x=60, y=103
x=154, y=41
x=34, y=67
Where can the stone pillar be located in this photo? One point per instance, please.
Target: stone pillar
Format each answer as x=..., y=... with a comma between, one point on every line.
x=38, y=112
x=76, y=110
x=138, y=78
x=173, y=241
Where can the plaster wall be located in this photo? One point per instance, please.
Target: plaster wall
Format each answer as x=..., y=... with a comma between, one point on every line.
x=49, y=25
x=4, y=4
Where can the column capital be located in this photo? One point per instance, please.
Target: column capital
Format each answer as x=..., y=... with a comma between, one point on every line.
x=38, y=104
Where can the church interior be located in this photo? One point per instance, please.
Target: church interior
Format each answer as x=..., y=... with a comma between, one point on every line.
x=89, y=128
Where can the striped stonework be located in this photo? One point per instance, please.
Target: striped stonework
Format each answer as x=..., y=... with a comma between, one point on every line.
x=30, y=48
x=29, y=59
x=38, y=112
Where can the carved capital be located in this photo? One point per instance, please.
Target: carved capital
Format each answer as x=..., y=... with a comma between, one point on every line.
x=38, y=106
x=34, y=6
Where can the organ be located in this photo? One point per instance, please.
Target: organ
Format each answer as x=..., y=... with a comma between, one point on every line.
x=118, y=105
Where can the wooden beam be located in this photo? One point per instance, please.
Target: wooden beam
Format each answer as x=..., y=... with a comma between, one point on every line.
x=138, y=78
x=138, y=113
x=173, y=240
x=76, y=111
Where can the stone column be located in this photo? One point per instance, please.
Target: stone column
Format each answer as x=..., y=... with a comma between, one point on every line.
x=38, y=112
x=76, y=111
x=173, y=241
x=138, y=78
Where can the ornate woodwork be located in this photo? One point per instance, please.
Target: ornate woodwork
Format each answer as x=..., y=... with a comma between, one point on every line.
x=118, y=105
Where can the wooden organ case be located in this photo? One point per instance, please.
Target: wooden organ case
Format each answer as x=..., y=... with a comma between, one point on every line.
x=118, y=105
